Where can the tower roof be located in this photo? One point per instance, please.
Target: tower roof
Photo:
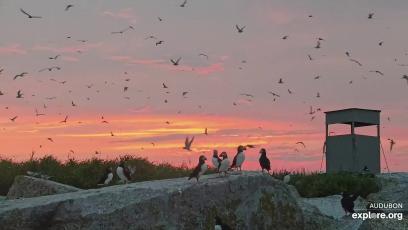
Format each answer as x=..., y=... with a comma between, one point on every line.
x=360, y=117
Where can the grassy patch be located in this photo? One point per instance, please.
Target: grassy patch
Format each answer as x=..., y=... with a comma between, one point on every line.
x=86, y=174
x=325, y=184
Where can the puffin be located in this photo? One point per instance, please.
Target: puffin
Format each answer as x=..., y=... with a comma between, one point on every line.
x=224, y=165
x=219, y=225
x=107, y=177
x=216, y=160
x=123, y=172
x=239, y=158
x=347, y=202
x=200, y=169
x=264, y=161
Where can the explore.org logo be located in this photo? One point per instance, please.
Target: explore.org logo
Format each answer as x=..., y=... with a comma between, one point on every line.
x=381, y=211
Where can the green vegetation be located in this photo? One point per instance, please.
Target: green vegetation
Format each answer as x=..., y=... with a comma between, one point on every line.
x=316, y=184
x=86, y=174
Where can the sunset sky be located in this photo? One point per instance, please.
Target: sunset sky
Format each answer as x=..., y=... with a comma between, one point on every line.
x=152, y=121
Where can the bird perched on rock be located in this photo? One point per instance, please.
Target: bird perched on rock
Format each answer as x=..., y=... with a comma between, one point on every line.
x=123, y=172
x=347, y=202
x=216, y=160
x=239, y=158
x=264, y=161
x=200, y=169
x=219, y=225
x=107, y=177
x=225, y=164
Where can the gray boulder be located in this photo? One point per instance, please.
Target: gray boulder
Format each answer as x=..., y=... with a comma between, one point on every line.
x=26, y=187
x=247, y=201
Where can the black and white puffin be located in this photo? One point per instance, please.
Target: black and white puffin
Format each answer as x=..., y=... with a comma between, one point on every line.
x=239, y=158
x=123, y=173
x=347, y=202
x=264, y=161
x=225, y=164
x=216, y=160
x=200, y=169
x=107, y=177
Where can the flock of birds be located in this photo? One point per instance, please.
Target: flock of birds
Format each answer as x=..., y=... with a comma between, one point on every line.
x=176, y=62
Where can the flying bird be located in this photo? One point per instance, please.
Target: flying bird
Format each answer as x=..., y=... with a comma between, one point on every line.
x=317, y=45
x=19, y=94
x=73, y=104
x=188, y=143
x=301, y=143
x=20, y=75
x=280, y=81
x=355, y=61
x=175, y=62
x=68, y=7
x=277, y=95
x=240, y=29
x=50, y=139
x=65, y=120
x=159, y=42
x=370, y=15
x=405, y=77
x=200, y=169
x=185, y=93
x=204, y=55
x=55, y=57
x=380, y=43
x=165, y=86
x=184, y=3
x=377, y=71
x=13, y=119
x=206, y=131
x=285, y=37
x=50, y=68
x=29, y=15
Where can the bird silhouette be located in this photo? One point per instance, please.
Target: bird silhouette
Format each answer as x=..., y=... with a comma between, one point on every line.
x=175, y=62
x=405, y=77
x=204, y=55
x=159, y=42
x=301, y=143
x=392, y=143
x=29, y=15
x=50, y=139
x=65, y=120
x=55, y=57
x=21, y=75
x=377, y=72
x=240, y=29
x=19, y=94
x=50, y=68
x=13, y=119
x=68, y=7
x=285, y=37
x=206, y=131
x=370, y=15
x=188, y=143
x=165, y=86
x=184, y=3
x=355, y=61
x=280, y=81
x=317, y=45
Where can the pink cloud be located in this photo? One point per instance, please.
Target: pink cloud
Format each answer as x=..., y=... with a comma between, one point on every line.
x=204, y=70
x=69, y=49
x=13, y=49
x=124, y=14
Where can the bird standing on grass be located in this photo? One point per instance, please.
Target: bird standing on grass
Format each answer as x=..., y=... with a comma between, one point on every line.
x=200, y=169
x=106, y=178
x=264, y=161
x=239, y=158
x=123, y=173
x=347, y=202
